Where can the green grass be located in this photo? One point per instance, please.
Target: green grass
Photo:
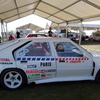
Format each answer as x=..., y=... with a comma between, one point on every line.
x=81, y=90
x=90, y=45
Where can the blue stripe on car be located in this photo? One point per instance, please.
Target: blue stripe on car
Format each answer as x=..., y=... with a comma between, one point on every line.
x=28, y=58
x=23, y=58
x=43, y=59
x=37, y=59
x=47, y=59
x=18, y=58
x=33, y=58
x=52, y=59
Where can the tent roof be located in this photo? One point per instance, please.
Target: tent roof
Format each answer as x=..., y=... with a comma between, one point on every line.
x=30, y=26
x=57, y=11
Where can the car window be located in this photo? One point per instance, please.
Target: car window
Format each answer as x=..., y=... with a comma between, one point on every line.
x=36, y=49
x=30, y=35
x=66, y=49
x=37, y=35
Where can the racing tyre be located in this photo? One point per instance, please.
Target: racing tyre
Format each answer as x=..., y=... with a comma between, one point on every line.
x=13, y=79
x=98, y=77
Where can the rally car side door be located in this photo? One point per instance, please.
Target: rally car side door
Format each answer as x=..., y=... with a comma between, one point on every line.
x=72, y=61
x=37, y=60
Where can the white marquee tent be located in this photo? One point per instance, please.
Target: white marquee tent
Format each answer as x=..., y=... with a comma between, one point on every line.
x=30, y=26
x=57, y=11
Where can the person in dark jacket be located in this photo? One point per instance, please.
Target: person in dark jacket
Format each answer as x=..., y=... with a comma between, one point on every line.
x=50, y=33
x=0, y=39
x=18, y=34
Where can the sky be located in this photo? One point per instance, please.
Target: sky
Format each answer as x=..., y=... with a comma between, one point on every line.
x=34, y=19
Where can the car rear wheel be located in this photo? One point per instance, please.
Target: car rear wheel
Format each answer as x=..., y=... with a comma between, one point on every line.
x=13, y=79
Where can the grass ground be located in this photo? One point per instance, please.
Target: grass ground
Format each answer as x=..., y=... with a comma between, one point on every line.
x=90, y=45
x=83, y=90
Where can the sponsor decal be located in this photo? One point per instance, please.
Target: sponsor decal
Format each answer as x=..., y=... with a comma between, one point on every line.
x=43, y=75
x=33, y=76
x=32, y=71
x=31, y=66
x=40, y=71
x=43, y=71
x=4, y=59
x=77, y=61
x=49, y=70
x=72, y=60
x=52, y=70
x=45, y=64
x=48, y=74
x=6, y=63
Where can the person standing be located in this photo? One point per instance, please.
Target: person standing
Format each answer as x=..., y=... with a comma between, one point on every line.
x=50, y=33
x=0, y=39
x=18, y=34
x=11, y=37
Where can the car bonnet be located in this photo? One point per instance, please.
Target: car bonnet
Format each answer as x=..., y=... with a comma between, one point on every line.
x=7, y=44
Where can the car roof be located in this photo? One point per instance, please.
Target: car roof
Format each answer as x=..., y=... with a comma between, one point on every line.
x=24, y=40
x=43, y=38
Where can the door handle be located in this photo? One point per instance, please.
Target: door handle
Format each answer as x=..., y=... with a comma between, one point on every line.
x=23, y=61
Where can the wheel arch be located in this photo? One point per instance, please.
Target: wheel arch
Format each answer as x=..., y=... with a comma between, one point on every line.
x=14, y=69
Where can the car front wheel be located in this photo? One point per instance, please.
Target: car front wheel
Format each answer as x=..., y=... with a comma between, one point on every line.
x=13, y=79
x=98, y=77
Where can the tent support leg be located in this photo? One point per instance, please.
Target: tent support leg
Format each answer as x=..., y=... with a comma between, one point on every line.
x=58, y=29
x=80, y=31
x=66, y=35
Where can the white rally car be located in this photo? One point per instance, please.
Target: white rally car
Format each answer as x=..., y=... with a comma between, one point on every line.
x=43, y=60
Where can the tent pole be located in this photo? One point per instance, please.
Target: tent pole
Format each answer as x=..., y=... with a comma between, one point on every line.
x=6, y=31
x=2, y=33
x=58, y=29
x=66, y=35
x=81, y=32
x=44, y=30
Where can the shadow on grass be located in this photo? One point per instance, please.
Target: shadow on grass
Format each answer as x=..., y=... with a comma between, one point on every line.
x=87, y=42
x=84, y=90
